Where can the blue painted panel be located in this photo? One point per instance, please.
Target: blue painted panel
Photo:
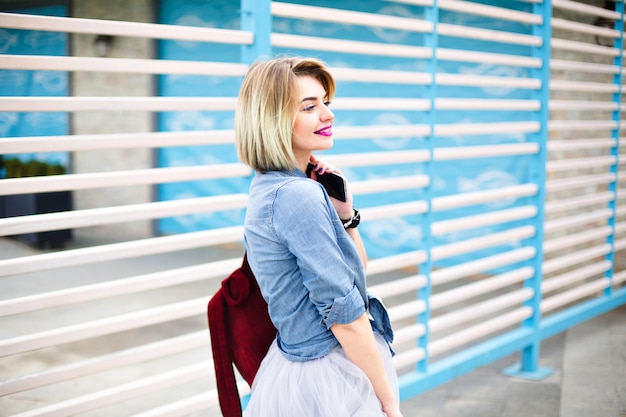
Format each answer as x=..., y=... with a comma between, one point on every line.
x=35, y=83
x=202, y=13
x=382, y=237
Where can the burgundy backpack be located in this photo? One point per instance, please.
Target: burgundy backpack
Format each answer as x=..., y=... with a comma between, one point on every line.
x=241, y=334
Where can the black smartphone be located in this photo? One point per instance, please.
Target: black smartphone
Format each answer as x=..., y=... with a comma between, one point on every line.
x=334, y=184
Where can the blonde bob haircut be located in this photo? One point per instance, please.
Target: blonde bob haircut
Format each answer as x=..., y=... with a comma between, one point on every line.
x=267, y=107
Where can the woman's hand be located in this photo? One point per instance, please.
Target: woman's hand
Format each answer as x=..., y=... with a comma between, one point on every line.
x=393, y=412
x=344, y=209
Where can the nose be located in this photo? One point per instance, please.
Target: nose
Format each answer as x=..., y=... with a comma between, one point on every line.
x=327, y=114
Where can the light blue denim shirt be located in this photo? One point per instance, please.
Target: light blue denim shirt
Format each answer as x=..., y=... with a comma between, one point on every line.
x=306, y=264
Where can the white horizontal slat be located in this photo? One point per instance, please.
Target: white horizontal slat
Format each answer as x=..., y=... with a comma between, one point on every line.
x=468, y=80
x=184, y=407
x=561, y=85
x=485, y=328
x=583, y=48
x=468, y=32
x=459, y=55
x=378, y=158
x=380, y=76
x=115, y=141
x=407, y=310
x=573, y=239
x=579, y=202
x=408, y=333
x=583, y=105
x=121, y=28
x=559, y=64
x=482, y=309
x=376, y=185
x=582, y=125
x=580, y=144
x=101, y=327
x=470, y=222
x=192, y=404
x=395, y=262
x=486, y=104
x=121, y=250
x=106, y=362
x=415, y=2
x=585, y=9
x=398, y=286
x=119, y=214
x=482, y=242
x=619, y=244
x=486, y=128
x=126, y=65
x=78, y=104
x=120, y=178
x=394, y=210
x=466, y=292
x=477, y=266
x=581, y=163
x=571, y=277
x=379, y=131
x=467, y=152
x=379, y=103
x=483, y=196
x=147, y=282
x=619, y=277
x=490, y=11
x=121, y=392
x=571, y=26
x=578, y=182
x=574, y=258
x=284, y=40
x=407, y=358
x=326, y=14
x=562, y=299
x=578, y=221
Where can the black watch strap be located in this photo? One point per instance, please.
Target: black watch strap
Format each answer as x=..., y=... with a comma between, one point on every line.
x=353, y=221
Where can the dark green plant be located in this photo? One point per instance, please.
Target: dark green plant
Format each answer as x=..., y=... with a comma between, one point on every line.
x=16, y=168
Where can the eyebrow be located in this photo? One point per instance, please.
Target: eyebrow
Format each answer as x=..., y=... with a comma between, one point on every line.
x=311, y=99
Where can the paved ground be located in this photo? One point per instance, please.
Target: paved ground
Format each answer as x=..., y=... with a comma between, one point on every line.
x=589, y=361
x=589, y=380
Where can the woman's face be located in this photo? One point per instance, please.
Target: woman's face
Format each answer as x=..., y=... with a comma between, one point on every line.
x=313, y=127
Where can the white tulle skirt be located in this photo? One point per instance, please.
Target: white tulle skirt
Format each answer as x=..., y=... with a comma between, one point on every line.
x=331, y=386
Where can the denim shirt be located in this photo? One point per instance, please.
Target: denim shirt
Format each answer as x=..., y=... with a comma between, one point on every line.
x=306, y=264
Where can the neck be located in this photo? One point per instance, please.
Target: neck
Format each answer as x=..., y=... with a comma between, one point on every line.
x=303, y=161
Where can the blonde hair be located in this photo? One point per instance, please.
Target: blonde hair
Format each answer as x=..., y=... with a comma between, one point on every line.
x=267, y=107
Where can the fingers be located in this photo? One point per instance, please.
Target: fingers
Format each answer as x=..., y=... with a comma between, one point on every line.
x=320, y=167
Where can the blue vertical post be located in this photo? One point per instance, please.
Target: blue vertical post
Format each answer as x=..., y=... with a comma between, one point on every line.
x=616, y=115
x=529, y=358
x=256, y=17
x=431, y=14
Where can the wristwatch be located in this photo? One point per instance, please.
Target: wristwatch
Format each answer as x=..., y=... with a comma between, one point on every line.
x=353, y=221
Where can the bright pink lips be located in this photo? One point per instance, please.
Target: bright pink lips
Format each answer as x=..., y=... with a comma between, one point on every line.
x=327, y=131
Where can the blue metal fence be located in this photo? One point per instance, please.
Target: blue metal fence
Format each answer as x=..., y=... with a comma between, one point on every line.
x=483, y=74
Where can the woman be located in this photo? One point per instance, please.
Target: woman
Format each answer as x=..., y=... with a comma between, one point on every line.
x=331, y=357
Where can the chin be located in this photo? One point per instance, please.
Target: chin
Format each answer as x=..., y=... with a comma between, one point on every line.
x=326, y=144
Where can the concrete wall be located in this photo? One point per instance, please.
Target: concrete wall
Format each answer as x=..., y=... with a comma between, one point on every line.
x=112, y=84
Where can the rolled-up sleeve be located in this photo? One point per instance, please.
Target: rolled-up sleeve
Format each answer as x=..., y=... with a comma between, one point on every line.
x=345, y=310
x=381, y=323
